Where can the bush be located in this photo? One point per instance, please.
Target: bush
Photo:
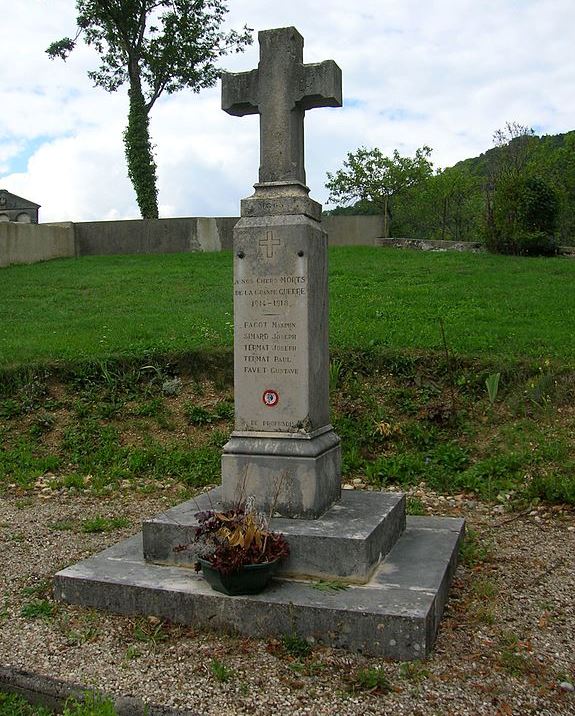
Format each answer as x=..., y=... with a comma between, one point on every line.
x=536, y=243
x=523, y=217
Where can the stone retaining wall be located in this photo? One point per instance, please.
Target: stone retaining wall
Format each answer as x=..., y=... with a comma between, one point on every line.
x=25, y=243
x=30, y=243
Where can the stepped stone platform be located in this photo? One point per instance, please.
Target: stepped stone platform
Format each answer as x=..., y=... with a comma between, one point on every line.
x=347, y=542
x=395, y=613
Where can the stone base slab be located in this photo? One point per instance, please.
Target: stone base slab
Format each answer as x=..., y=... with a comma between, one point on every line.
x=395, y=615
x=347, y=542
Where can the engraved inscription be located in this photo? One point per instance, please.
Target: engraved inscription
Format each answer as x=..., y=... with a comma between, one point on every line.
x=269, y=341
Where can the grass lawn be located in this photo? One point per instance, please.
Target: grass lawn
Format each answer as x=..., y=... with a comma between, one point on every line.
x=102, y=307
x=405, y=414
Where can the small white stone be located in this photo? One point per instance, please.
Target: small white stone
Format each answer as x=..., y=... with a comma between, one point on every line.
x=566, y=686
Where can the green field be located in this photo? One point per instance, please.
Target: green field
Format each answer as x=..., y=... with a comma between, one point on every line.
x=115, y=373
x=102, y=307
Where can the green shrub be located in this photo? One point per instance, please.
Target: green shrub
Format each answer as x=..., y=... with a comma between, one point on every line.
x=523, y=217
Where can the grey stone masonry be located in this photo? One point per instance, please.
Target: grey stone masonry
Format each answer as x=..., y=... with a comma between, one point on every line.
x=280, y=91
x=346, y=543
x=395, y=615
x=283, y=450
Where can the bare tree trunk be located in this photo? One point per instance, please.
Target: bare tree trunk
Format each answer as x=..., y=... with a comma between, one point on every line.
x=444, y=218
x=385, y=219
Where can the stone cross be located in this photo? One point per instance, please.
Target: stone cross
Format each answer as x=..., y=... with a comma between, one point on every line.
x=283, y=451
x=280, y=91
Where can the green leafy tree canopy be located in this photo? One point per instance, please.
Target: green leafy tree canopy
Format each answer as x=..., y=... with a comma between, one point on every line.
x=154, y=46
x=368, y=175
x=522, y=207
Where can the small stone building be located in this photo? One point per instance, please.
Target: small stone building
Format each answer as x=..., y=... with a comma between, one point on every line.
x=14, y=208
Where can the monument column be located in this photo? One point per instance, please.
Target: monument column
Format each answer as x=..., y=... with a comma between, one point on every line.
x=283, y=450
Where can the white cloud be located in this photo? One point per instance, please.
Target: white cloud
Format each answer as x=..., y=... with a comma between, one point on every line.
x=446, y=74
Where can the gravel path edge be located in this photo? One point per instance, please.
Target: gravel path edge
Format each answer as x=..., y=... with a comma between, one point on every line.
x=52, y=694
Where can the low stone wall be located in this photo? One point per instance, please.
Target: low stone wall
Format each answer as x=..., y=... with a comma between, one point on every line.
x=431, y=245
x=30, y=243
x=99, y=238
x=353, y=230
x=155, y=236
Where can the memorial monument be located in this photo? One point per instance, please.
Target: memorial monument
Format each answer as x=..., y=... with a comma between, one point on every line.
x=284, y=452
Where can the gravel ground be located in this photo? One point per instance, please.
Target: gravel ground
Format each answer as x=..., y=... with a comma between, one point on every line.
x=506, y=644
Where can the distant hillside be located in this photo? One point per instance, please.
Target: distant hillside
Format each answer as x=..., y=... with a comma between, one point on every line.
x=547, y=144
x=451, y=204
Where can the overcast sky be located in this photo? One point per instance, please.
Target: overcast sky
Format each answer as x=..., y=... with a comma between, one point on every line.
x=446, y=73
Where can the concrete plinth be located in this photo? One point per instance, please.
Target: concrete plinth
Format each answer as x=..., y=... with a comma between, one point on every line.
x=395, y=615
x=346, y=543
x=293, y=474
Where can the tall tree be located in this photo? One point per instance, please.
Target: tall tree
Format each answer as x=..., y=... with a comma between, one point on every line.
x=445, y=206
x=522, y=207
x=515, y=143
x=368, y=175
x=153, y=46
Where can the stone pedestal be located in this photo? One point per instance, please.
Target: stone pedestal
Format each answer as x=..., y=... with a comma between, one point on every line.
x=283, y=450
x=394, y=615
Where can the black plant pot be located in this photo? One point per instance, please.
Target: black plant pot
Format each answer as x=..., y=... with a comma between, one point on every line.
x=251, y=579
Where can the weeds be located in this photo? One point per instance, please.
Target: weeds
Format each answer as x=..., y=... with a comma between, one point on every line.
x=414, y=671
x=79, y=630
x=335, y=373
x=14, y=705
x=224, y=410
x=296, y=645
x=103, y=524
x=113, y=430
x=38, y=609
x=132, y=652
x=513, y=657
x=330, y=585
x=473, y=550
x=63, y=526
x=492, y=385
x=484, y=588
x=220, y=671
x=196, y=415
x=372, y=679
x=414, y=506
x=151, y=631
x=90, y=705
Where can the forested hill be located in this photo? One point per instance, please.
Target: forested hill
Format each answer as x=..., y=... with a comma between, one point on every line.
x=547, y=145
x=452, y=204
